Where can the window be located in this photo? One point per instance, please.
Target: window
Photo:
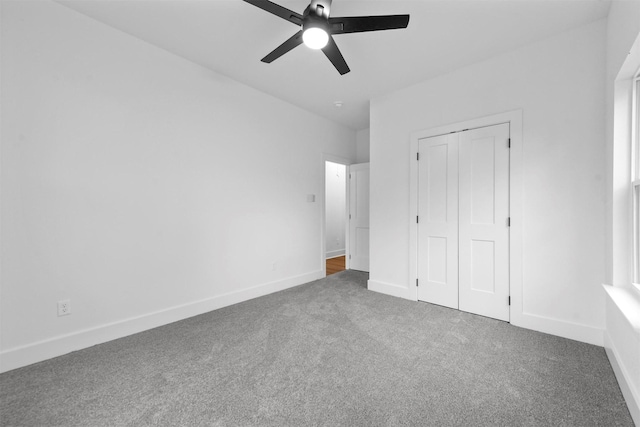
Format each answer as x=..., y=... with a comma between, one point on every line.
x=635, y=178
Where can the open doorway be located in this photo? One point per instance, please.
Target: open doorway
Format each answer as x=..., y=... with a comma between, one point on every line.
x=335, y=217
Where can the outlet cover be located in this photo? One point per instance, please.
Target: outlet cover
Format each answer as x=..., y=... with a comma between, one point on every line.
x=64, y=307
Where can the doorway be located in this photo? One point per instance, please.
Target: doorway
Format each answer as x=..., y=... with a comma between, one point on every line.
x=335, y=217
x=463, y=220
x=345, y=219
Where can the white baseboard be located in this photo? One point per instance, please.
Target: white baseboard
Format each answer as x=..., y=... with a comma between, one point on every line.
x=57, y=346
x=631, y=395
x=577, y=332
x=390, y=289
x=560, y=328
x=336, y=253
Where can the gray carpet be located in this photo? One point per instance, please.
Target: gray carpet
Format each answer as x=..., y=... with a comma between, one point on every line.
x=325, y=353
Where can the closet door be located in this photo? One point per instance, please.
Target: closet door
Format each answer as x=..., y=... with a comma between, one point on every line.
x=483, y=221
x=438, y=220
x=463, y=213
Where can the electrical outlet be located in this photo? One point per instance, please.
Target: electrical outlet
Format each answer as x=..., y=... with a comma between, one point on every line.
x=64, y=307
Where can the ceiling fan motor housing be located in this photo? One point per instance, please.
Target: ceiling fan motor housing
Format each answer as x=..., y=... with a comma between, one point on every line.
x=319, y=8
x=316, y=15
x=315, y=24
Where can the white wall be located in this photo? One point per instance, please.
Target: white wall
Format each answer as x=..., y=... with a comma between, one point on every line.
x=142, y=187
x=335, y=206
x=558, y=84
x=362, y=146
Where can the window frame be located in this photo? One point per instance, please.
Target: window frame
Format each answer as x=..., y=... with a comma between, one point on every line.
x=635, y=202
x=635, y=180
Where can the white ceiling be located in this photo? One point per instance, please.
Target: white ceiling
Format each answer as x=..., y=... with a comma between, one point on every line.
x=231, y=36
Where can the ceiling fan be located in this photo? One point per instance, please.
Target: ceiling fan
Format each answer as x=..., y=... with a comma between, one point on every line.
x=317, y=28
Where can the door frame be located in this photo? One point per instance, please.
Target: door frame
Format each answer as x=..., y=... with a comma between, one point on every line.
x=323, y=210
x=514, y=119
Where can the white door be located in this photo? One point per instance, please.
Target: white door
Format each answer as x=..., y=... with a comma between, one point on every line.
x=359, y=217
x=484, y=216
x=438, y=223
x=477, y=179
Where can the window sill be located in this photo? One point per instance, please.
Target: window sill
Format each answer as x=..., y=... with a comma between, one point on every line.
x=628, y=302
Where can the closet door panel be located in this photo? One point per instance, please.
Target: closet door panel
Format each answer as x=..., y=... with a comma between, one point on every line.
x=483, y=221
x=438, y=220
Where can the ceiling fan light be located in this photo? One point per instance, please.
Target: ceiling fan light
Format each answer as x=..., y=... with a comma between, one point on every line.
x=315, y=38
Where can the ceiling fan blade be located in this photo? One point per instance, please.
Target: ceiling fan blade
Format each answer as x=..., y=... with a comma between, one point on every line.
x=275, y=9
x=285, y=47
x=359, y=24
x=333, y=53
